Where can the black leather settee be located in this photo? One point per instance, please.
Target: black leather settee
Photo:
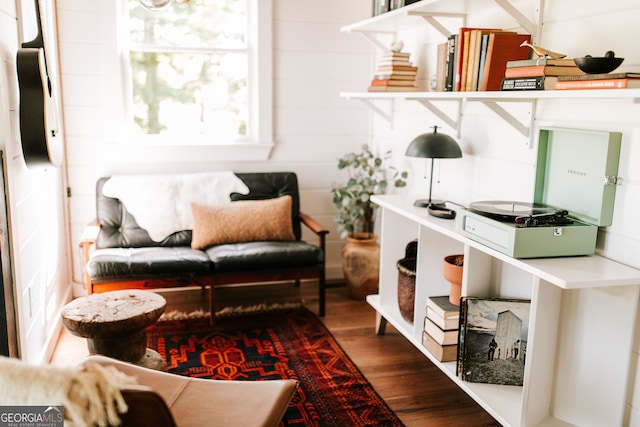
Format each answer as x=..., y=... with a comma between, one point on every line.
x=120, y=254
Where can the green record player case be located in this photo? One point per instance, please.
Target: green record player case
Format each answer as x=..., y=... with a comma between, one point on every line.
x=576, y=170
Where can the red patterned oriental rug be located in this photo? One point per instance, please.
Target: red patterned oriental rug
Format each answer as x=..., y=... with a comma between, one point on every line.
x=290, y=343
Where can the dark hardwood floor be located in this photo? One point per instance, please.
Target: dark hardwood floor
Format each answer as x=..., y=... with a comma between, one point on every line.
x=418, y=392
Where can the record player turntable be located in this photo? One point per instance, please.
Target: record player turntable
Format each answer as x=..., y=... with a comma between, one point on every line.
x=575, y=184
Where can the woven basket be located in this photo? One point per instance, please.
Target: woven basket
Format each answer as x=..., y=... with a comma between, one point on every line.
x=407, y=282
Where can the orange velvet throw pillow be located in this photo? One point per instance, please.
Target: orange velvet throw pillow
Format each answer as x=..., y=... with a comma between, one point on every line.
x=242, y=221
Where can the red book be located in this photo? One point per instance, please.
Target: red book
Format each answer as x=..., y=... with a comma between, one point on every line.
x=502, y=47
x=543, y=70
x=597, y=84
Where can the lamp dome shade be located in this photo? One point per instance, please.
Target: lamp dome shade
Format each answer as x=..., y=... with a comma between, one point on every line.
x=434, y=146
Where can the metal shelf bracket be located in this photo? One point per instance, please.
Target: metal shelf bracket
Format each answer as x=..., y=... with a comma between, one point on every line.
x=371, y=36
x=431, y=18
x=528, y=25
x=452, y=122
x=388, y=116
x=524, y=129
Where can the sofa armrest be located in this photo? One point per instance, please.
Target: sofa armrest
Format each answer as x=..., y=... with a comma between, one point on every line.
x=87, y=239
x=314, y=226
x=89, y=234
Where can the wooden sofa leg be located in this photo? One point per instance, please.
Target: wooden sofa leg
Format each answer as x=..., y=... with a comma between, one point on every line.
x=321, y=295
x=212, y=303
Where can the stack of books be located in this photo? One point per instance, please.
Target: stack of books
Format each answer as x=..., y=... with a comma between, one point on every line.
x=475, y=58
x=441, y=325
x=394, y=73
x=538, y=73
x=599, y=81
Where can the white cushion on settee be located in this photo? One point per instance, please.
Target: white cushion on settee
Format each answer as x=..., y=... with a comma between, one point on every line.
x=161, y=204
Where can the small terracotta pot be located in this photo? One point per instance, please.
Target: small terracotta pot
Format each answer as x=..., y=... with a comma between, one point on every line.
x=452, y=273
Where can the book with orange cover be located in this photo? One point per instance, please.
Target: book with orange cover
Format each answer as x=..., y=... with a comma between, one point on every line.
x=603, y=76
x=598, y=84
x=392, y=89
x=397, y=68
x=543, y=70
x=394, y=76
x=470, y=53
x=388, y=82
x=502, y=47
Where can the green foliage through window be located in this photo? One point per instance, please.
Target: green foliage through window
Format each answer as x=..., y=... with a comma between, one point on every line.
x=189, y=69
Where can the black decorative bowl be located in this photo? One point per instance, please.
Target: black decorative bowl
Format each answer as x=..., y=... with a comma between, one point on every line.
x=596, y=65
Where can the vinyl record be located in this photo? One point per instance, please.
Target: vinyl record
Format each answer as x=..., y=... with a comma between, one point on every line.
x=509, y=210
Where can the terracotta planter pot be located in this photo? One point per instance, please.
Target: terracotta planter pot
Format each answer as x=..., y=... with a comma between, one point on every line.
x=452, y=272
x=361, y=265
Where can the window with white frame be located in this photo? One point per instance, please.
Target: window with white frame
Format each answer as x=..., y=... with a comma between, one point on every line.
x=200, y=71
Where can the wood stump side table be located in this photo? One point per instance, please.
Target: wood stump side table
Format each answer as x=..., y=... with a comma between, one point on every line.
x=114, y=324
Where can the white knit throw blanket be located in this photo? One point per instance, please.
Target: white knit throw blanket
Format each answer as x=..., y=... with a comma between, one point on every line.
x=90, y=393
x=161, y=204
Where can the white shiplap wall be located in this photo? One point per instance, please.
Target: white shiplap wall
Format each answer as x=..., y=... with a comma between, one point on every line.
x=37, y=224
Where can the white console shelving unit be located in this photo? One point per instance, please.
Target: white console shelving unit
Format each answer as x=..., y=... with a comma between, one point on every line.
x=583, y=309
x=554, y=393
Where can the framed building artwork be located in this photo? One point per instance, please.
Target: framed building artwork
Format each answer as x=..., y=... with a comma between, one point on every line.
x=492, y=343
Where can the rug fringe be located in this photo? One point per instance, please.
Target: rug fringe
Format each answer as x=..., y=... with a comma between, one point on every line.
x=228, y=311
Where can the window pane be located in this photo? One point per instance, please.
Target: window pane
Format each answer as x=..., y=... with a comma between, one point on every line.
x=189, y=68
x=190, y=94
x=191, y=23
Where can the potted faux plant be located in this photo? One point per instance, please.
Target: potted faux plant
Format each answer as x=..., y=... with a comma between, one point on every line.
x=368, y=175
